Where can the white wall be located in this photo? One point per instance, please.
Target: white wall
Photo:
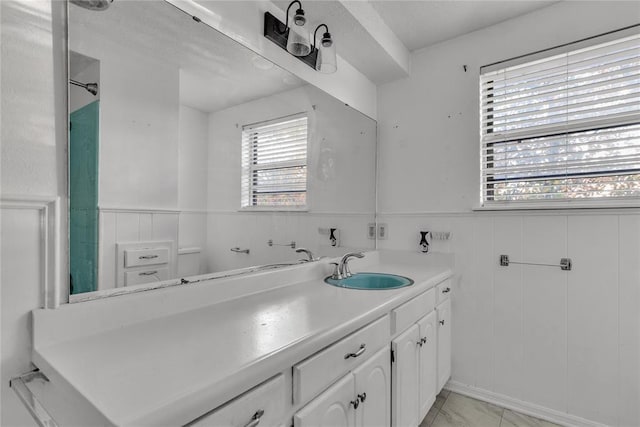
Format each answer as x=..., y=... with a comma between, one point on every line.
x=193, y=182
x=33, y=161
x=139, y=101
x=340, y=174
x=29, y=168
x=548, y=340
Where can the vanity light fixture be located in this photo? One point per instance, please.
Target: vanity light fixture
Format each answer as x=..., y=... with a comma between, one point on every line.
x=326, y=60
x=298, y=33
x=295, y=40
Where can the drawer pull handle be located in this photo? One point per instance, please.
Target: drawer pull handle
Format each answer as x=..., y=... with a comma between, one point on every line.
x=357, y=353
x=355, y=403
x=147, y=256
x=442, y=322
x=362, y=397
x=255, y=420
x=446, y=290
x=148, y=273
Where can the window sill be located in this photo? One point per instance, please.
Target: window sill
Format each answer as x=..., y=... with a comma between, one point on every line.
x=268, y=209
x=560, y=205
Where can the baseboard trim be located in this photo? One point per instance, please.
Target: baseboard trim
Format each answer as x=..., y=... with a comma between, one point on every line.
x=523, y=407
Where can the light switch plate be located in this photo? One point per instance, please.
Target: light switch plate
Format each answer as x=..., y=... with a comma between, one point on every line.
x=383, y=231
x=371, y=230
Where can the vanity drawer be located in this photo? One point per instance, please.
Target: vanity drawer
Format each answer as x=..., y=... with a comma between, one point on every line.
x=443, y=291
x=146, y=275
x=267, y=399
x=145, y=256
x=317, y=372
x=408, y=313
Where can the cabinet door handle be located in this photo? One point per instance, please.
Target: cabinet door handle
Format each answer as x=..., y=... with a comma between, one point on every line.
x=357, y=353
x=423, y=340
x=255, y=420
x=355, y=403
x=442, y=322
x=446, y=290
x=420, y=343
x=362, y=397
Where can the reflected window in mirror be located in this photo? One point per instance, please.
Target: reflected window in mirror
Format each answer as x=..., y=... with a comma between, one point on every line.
x=274, y=164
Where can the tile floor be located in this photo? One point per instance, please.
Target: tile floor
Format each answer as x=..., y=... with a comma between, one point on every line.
x=455, y=410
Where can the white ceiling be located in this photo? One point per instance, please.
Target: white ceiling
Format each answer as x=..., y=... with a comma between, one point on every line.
x=423, y=23
x=417, y=24
x=215, y=71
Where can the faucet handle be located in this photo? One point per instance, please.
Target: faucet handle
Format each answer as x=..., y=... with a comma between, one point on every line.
x=336, y=271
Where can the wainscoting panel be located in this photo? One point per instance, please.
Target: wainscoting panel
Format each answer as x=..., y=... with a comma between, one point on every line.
x=550, y=341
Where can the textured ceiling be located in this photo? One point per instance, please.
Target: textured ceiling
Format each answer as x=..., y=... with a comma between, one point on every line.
x=422, y=23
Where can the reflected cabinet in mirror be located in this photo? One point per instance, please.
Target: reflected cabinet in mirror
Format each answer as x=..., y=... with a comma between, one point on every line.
x=189, y=154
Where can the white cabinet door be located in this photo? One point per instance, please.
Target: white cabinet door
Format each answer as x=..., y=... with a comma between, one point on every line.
x=444, y=343
x=428, y=364
x=404, y=391
x=333, y=408
x=373, y=389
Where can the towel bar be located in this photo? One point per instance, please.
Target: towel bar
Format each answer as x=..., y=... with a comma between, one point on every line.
x=565, y=263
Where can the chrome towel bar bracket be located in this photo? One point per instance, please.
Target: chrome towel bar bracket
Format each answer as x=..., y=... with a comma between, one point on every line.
x=565, y=263
x=35, y=408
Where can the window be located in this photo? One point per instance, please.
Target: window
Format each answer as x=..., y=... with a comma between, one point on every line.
x=274, y=164
x=562, y=127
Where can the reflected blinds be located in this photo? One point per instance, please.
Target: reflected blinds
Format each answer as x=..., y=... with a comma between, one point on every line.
x=274, y=163
x=563, y=127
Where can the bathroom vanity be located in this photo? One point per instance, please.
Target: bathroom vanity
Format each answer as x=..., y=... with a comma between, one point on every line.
x=272, y=348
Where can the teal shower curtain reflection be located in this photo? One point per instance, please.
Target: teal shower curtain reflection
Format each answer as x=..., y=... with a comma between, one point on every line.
x=83, y=195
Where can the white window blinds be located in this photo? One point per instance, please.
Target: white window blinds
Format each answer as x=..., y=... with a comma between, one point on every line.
x=274, y=164
x=563, y=127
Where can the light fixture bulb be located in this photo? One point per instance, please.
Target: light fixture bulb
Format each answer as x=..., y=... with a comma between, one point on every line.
x=326, y=40
x=299, y=18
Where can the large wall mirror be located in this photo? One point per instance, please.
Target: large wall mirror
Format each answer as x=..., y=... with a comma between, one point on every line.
x=189, y=154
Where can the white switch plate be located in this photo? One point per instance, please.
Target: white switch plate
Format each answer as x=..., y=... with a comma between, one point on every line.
x=371, y=230
x=383, y=231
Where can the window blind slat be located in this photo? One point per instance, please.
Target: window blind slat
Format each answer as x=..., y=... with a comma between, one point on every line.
x=563, y=127
x=274, y=164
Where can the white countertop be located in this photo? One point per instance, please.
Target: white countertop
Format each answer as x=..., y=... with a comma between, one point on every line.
x=169, y=369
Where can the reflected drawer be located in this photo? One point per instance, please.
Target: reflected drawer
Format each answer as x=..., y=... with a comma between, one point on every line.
x=319, y=371
x=145, y=256
x=265, y=403
x=409, y=312
x=147, y=275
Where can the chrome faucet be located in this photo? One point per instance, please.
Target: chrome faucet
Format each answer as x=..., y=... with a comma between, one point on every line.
x=309, y=254
x=343, y=267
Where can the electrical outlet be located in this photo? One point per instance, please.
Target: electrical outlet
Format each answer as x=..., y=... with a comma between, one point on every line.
x=371, y=230
x=383, y=231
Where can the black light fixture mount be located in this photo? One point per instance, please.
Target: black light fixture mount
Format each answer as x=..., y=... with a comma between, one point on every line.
x=278, y=32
